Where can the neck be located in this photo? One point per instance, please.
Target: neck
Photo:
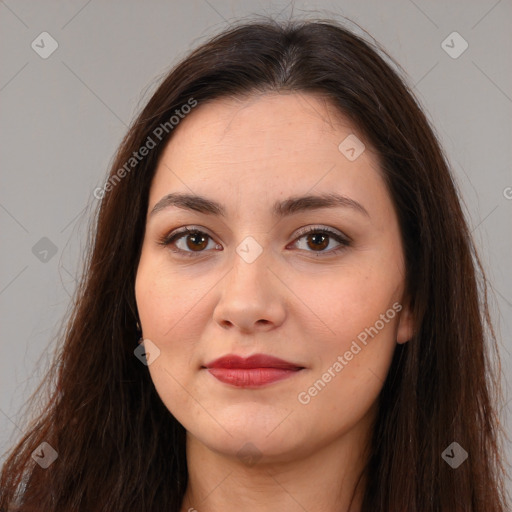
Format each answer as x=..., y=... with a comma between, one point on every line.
x=327, y=479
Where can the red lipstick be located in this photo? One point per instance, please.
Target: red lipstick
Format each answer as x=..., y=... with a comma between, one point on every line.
x=252, y=372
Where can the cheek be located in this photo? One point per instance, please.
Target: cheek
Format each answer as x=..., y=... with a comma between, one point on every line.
x=165, y=310
x=170, y=321
x=352, y=365
x=360, y=313
x=341, y=308
x=172, y=317
x=166, y=300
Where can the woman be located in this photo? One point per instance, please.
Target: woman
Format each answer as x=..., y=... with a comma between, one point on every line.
x=281, y=307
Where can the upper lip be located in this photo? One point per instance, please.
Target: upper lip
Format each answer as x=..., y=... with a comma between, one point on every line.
x=254, y=361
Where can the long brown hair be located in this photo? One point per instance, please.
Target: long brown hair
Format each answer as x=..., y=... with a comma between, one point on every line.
x=118, y=446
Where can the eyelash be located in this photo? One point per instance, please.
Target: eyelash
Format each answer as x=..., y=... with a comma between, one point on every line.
x=174, y=236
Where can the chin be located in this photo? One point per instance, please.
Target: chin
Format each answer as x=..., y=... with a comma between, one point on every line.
x=251, y=442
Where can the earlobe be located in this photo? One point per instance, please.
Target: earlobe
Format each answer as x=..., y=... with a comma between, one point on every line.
x=405, y=330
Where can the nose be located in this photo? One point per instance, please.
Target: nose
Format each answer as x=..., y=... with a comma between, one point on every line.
x=252, y=297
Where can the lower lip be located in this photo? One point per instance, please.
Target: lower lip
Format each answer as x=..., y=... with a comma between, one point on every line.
x=251, y=377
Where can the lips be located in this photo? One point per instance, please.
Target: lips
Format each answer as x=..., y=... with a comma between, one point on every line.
x=255, y=361
x=254, y=371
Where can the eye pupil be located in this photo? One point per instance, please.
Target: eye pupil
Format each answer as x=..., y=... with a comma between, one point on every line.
x=202, y=244
x=322, y=240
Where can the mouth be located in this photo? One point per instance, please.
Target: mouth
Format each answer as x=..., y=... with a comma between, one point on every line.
x=252, y=372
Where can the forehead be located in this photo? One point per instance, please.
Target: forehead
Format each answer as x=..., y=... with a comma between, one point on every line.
x=292, y=125
x=265, y=147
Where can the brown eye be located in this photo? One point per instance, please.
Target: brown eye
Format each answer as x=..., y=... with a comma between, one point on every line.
x=187, y=241
x=318, y=239
x=196, y=241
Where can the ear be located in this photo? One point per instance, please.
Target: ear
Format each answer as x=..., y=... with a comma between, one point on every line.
x=406, y=327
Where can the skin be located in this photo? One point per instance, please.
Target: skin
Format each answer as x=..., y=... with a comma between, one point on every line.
x=298, y=301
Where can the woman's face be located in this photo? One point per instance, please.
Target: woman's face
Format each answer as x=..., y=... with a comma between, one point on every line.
x=254, y=282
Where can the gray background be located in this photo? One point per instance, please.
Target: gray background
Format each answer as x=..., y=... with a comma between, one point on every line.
x=64, y=116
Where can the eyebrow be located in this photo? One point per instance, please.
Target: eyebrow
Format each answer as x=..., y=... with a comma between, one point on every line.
x=280, y=209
